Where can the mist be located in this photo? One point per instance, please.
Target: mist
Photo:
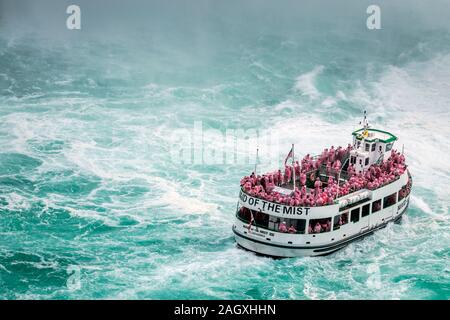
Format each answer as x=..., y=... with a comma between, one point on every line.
x=199, y=21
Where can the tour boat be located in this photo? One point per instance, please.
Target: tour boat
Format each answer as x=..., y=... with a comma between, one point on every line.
x=323, y=203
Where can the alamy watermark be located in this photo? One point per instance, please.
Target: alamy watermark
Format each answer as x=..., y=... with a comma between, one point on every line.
x=373, y=21
x=73, y=21
x=200, y=145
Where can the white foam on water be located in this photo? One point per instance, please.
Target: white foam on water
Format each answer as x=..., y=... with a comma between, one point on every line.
x=91, y=214
x=421, y=204
x=399, y=98
x=196, y=269
x=306, y=83
x=417, y=85
x=172, y=198
x=17, y=202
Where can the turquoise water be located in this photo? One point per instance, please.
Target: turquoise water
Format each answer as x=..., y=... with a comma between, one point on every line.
x=88, y=123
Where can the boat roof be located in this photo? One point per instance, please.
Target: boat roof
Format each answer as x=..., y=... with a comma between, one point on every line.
x=375, y=135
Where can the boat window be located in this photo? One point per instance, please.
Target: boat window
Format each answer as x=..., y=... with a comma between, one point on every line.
x=389, y=200
x=366, y=162
x=353, y=160
x=275, y=224
x=367, y=146
x=373, y=146
x=354, y=215
x=365, y=210
x=340, y=220
x=376, y=206
x=381, y=148
x=389, y=146
x=402, y=193
x=319, y=225
x=358, y=143
x=244, y=214
x=261, y=219
x=299, y=225
x=360, y=161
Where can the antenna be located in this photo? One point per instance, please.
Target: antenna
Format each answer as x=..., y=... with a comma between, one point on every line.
x=365, y=122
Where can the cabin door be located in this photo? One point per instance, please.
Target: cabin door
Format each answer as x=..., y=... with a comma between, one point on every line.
x=365, y=217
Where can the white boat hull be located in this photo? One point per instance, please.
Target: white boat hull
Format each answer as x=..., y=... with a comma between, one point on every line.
x=275, y=244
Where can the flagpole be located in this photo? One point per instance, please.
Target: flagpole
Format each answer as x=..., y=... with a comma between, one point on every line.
x=293, y=164
x=256, y=162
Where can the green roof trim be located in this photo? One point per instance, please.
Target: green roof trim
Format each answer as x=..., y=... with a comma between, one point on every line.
x=391, y=138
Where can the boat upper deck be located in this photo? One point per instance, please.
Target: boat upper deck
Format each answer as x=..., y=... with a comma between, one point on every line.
x=321, y=180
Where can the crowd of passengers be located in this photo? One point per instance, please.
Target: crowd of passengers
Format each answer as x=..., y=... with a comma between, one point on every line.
x=376, y=176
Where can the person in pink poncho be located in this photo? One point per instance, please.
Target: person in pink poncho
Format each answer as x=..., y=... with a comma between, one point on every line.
x=283, y=227
x=287, y=174
x=317, y=228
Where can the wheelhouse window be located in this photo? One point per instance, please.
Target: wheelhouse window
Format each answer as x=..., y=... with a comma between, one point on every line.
x=367, y=148
x=389, y=147
x=319, y=225
x=373, y=146
x=389, y=200
x=376, y=206
x=354, y=215
x=339, y=220
x=365, y=210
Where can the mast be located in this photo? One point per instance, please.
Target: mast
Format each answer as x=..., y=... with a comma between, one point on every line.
x=256, y=161
x=365, y=132
x=293, y=165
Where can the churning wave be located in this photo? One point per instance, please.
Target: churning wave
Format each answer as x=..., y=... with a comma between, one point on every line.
x=87, y=178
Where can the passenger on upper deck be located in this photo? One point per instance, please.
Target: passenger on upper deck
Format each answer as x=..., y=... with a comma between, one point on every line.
x=376, y=176
x=287, y=174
